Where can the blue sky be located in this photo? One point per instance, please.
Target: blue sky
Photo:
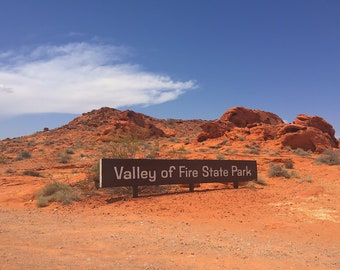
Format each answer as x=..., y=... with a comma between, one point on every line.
x=184, y=59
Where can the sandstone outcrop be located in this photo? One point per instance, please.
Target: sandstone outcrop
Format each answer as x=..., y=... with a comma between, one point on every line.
x=306, y=132
x=310, y=138
x=242, y=117
x=318, y=123
x=214, y=129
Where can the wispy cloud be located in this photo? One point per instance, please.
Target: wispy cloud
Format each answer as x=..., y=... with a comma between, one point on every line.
x=79, y=77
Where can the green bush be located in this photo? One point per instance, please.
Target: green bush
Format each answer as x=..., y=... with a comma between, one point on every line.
x=277, y=171
x=56, y=192
x=329, y=157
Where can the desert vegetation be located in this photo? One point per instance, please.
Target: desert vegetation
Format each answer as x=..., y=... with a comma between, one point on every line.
x=56, y=192
x=329, y=157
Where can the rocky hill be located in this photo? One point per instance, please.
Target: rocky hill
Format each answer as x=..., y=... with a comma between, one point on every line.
x=276, y=222
x=70, y=152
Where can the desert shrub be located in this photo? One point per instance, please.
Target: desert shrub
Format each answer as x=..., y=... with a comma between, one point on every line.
x=271, y=152
x=152, y=152
x=329, y=157
x=69, y=151
x=31, y=143
x=151, y=155
x=3, y=159
x=240, y=138
x=32, y=173
x=231, y=151
x=301, y=152
x=174, y=140
x=180, y=153
x=23, y=155
x=126, y=147
x=181, y=149
x=171, y=121
x=220, y=156
x=308, y=179
x=261, y=181
x=224, y=141
x=288, y=164
x=218, y=146
x=295, y=174
x=254, y=150
x=48, y=143
x=10, y=171
x=56, y=192
x=277, y=171
x=64, y=157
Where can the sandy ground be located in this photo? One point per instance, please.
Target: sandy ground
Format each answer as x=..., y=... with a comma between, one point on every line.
x=286, y=224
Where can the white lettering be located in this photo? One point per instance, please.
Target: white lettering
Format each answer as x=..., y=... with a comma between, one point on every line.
x=118, y=175
x=134, y=173
x=210, y=172
x=239, y=172
x=187, y=173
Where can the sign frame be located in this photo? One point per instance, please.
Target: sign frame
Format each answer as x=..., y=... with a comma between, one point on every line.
x=146, y=172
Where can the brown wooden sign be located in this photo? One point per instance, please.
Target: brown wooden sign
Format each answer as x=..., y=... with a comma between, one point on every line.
x=145, y=172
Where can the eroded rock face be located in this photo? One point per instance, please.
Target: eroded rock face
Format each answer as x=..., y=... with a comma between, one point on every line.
x=318, y=123
x=243, y=117
x=213, y=129
x=264, y=132
x=307, y=132
x=290, y=128
x=135, y=117
x=138, y=124
x=309, y=138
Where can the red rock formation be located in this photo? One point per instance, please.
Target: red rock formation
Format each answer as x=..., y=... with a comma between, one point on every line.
x=136, y=118
x=264, y=132
x=242, y=117
x=308, y=138
x=290, y=128
x=318, y=123
x=213, y=129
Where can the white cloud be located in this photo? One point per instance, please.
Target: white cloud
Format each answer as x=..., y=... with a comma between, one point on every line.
x=79, y=77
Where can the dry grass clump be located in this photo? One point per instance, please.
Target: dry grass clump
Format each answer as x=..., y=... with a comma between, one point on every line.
x=329, y=157
x=277, y=171
x=23, y=155
x=56, y=192
x=261, y=180
x=32, y=173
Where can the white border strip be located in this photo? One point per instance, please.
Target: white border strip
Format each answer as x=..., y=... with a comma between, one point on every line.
x=100, y=173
